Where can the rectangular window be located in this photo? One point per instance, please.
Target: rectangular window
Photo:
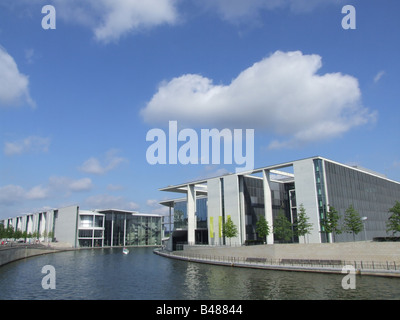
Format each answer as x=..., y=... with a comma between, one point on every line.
x=86, y=221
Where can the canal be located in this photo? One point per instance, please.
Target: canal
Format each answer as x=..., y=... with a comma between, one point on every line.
x=142, y=275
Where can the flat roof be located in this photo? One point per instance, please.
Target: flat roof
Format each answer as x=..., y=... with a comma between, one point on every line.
x=182, y=188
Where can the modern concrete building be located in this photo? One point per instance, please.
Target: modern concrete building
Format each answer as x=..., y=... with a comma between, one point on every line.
x=98, y=228
x=315, y=182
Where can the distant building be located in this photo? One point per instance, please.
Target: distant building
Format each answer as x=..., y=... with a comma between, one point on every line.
x=97, y=228
x=314, y=182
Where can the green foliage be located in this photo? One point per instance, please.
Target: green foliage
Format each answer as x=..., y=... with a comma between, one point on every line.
x=282, y=227
x=229, y=229
x=303, y=226
x=331, y=223
x=262, y=227
x=352, y=221
x=393, y=223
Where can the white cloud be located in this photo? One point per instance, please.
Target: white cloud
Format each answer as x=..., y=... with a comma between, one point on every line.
x=282, y=94
x=14, y=86
x=12, y=194
x=95, y=166
x=112, y=19
x=67, y=185
x=156, y=208
x=378, y=76
x=56, y=186
x=104, y=201
x=29, y=144
x=83, y=184
x=37, y=193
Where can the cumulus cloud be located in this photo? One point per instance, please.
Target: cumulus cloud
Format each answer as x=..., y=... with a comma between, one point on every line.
x=13, y=194
x=156, y=208
x=112, y=19
x=110, y=202
x=29, y=144
x=14, y=86
x=65, y=184
x=282, y=94
x=95, y=166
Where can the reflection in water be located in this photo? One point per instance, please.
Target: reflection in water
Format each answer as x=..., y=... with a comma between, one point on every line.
x=108, y=274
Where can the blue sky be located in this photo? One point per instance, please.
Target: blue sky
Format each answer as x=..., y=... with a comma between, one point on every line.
x=76, y=102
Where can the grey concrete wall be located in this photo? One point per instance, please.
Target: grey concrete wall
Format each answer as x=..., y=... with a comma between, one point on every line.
x=66, y=225
x=346, y=251
x=12, y=254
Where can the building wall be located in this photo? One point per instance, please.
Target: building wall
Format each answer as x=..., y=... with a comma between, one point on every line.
x=232, y=207
x=306, y=194
x=214, y=211
x=66, y=227
x=371, y=196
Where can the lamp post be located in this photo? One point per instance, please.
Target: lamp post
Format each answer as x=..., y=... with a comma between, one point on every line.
x=363, y=219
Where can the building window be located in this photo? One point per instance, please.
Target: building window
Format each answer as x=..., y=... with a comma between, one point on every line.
x=85, y=233
x=86, y=221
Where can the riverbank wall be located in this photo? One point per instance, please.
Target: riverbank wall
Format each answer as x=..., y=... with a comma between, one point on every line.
x=11, y=254
x=367, y=258
x=344, y=251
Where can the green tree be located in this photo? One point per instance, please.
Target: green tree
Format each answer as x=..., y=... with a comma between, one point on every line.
x=282, y=227
x=303, y=226
x=393, y=223
x=9, y=232
x=17, y=234
x=262, y=227
x=50, y=235
x=229, y=229
x=352, y=221
x=2, y=231
x=331, y=223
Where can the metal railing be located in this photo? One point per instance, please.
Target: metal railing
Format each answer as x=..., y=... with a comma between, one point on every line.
x=267, y=262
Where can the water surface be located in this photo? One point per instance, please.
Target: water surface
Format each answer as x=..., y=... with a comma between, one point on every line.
x=143, y=275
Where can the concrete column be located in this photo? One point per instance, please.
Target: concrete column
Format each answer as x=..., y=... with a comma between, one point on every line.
x=268, y=205
x=191, y=210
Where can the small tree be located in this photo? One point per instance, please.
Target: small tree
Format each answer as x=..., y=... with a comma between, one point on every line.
x=9, y=232
x=352, y=221
x=262, y=228
x=393, y=223
x=229, y=229
x=331, y=223
x=282, y=227
x=303, y=226
x=50, y=236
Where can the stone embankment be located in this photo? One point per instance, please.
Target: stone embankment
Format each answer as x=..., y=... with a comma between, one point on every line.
x=14, y=252
x=368, y=258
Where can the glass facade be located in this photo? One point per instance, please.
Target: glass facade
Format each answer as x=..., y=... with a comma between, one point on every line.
x=180, y=214
x=130, y=229
x=322, y=205
x=181, y=221
x=90, y=230
x=143, y=230
x=253, y=192
x=370, y=195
